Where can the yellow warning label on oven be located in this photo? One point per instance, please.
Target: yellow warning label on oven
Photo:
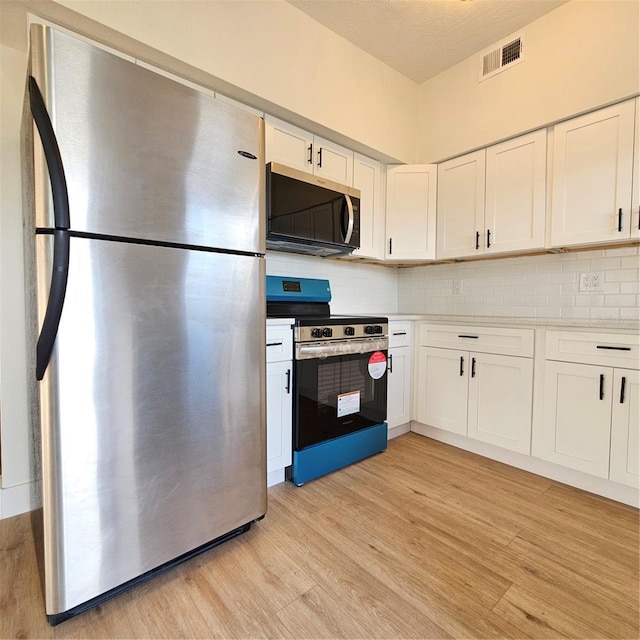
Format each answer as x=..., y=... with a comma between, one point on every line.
x=348, y=403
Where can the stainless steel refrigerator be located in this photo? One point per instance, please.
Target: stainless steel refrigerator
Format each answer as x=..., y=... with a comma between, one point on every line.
x=145, y=240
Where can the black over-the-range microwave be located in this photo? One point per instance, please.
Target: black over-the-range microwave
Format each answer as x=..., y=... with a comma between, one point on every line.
x=308, y=214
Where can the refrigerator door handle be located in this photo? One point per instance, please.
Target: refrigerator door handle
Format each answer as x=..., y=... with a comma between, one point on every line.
x=52, y=315
x=52, y=156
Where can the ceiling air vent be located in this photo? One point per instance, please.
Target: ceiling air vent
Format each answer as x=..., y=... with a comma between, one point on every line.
x=506, y=54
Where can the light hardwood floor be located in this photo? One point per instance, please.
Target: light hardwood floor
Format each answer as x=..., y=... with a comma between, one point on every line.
x=422, y=541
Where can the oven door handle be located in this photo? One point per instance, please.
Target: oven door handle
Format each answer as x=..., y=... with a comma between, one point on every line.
x=328, y=349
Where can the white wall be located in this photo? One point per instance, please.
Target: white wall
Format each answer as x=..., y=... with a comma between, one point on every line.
x=276, y=52
x=580, y=56
x=16, y=444
x=355, y=288
x=534, y=287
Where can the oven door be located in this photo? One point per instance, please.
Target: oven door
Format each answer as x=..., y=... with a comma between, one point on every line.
x=340, y=388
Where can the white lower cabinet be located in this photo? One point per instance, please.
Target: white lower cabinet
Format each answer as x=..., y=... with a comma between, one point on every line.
x=485, y=396
x=399, y=374
x=591, y=416
x=279, y=400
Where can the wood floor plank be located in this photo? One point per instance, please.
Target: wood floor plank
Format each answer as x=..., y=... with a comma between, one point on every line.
x=421, y=541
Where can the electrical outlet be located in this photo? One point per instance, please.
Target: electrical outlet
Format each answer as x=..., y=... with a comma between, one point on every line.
x=457, y=287
x=592, y=281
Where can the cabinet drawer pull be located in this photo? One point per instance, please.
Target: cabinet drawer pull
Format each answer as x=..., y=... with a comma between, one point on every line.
x=477, y=240
x=399, y=333
x=288, y=386
x=602, y=386
x=461, y=365
x=620, y=219
x=623, y=382
x=274, y=344
x=390, y=367
x=602, y=346
x=473, y=367
x=465, y=336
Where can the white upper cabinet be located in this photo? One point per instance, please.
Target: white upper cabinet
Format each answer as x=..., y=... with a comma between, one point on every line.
x=368, y=178
x=411, y=212
x=515, y=202
x=299, y=149
x=493, y=200
x=635, y=203
x=592, y=177
x=461, y=184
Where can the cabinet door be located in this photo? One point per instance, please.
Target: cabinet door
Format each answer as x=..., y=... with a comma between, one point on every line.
x=592, y=174
x=635, y=204
x=411, y=212
x=399, y=386
x=443, y=376
x=515, y=197
x=625, y=428
x=333, y=162
x=576, y=425
x=461, y=183
x=368, y=177
x=288, y=145
x=279, y=415
x=500, y=400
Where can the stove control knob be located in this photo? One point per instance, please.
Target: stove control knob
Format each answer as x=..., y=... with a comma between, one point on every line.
x=316, y=333
x=327, y=333
x=377, y=329
x=369, y=329
x=349, y=331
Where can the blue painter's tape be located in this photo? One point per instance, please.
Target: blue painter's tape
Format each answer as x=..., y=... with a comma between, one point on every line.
x=323, y=458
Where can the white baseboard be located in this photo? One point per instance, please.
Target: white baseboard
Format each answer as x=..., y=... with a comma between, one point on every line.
x=398, y=430
x=17, y=500
x=599, y=486
x=275, y=477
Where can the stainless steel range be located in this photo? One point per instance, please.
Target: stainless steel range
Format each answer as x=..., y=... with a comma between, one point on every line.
x=340, y=379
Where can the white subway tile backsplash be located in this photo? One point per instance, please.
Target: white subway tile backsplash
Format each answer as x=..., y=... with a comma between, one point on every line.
x=528, y=286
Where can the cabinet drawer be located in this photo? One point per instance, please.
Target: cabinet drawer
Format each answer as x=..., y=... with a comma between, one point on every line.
x=279, y=343
x=400, y=333
x=510, y=342
x=606, y=349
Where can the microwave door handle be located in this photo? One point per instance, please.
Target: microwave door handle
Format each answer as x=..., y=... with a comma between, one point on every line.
x=349, y=233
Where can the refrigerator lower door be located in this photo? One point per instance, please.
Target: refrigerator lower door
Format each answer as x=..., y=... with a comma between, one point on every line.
x=152, y=424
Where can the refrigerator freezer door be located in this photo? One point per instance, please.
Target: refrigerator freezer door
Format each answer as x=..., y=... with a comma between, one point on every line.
x=152, y=411
x=147, y=157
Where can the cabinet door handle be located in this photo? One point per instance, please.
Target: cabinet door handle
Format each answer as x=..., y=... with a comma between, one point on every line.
x=274, y=344
x=488, y=238
x=477, y=240
x=602, y=346
x=620, y=219
x=399, y=333
x=461, y=365
x=602, y=386
x=390, y=245
x=310, y=159
x=288, y=385
x=473, y=367
x=320, y=157
x=390, y=367
x=639, y=217
x=623, y=383
x=465, y=336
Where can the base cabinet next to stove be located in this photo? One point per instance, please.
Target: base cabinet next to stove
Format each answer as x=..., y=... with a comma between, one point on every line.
x=279, y=400
x=399, y=377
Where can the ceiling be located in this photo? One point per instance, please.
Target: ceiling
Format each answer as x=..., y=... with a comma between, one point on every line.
x=421, y=38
